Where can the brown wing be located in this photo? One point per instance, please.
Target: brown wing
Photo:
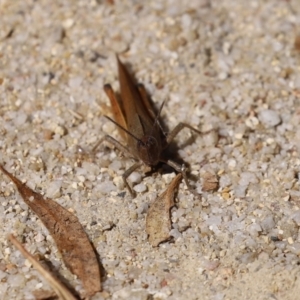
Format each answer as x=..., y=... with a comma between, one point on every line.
x=139, y=120
x=116, y=110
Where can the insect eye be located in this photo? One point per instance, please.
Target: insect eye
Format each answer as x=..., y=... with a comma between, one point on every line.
x=150, y=141
x=147, y=143
x=141, y=143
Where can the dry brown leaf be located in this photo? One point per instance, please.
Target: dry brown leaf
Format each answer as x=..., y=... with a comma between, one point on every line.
x=297, y=42
x=41, y=294
x=61, y=291
x=210, y=182
x=68, y=234
x=158, y=221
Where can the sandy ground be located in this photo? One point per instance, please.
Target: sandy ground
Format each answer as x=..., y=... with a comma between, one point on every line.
x=228, y=65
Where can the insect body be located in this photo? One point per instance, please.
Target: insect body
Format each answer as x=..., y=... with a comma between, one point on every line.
x=140, y=127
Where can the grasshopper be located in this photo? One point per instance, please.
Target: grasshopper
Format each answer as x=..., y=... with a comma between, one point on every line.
x=140, y=127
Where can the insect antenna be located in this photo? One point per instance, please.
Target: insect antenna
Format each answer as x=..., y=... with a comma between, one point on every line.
x=128, y=132
x=157, y=116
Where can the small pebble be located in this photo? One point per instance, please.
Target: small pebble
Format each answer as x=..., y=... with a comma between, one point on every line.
x=269, y=118
x=135, y=177
x=140, y=188
x=54, y=189
x=119, y=182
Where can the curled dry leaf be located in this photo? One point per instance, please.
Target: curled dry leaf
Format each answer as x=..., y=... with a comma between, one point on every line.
x=61, y=291
x=68, y=234
x=158, y=221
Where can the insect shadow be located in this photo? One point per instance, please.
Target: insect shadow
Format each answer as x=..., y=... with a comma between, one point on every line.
x=139, y=125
